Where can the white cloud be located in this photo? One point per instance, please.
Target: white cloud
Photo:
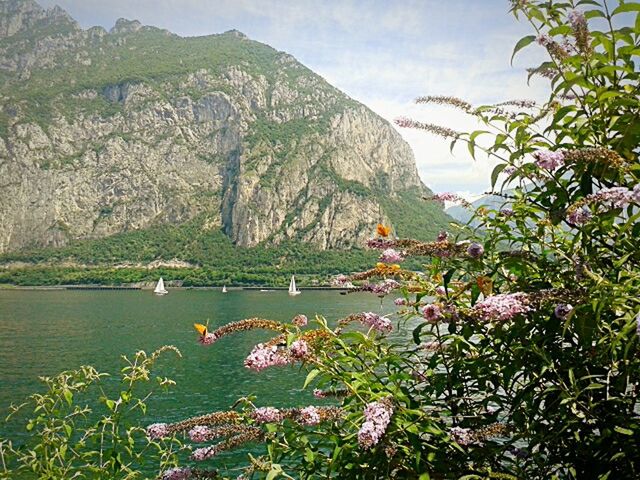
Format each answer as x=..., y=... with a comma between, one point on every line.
x=381, y=52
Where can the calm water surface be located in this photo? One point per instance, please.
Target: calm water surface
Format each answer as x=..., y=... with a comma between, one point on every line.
x=45, y=332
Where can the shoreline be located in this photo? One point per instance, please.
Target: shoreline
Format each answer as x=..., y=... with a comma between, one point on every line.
x=93, y=287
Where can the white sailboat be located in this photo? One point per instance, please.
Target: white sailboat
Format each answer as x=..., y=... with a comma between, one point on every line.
x=160, y=290
x=224, y=289
x=293, y=290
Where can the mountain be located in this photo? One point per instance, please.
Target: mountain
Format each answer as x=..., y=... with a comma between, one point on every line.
x=136, y=129
x=464, y=214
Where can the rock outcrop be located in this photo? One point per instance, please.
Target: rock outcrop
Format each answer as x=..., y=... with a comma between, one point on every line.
x=102, y=133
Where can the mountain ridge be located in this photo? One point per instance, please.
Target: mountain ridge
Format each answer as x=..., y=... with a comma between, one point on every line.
x=108, y=132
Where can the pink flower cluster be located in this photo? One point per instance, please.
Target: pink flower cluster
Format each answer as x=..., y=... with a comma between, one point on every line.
x=300, y=320
x=475, y=250
x=157, y=430
x=377, y=417
x=443, y=236
x=462, y=436
x=502, y=307
x=506, y=212
x=563, y=310
x=391, y=256
x=267, y=415
x=440, y=290
x=177, y=474
x=199, y=434
x=320, y=393
x=299, y=349
x=375, y=321
x=263, y=356
x=383, y=288
x=577, y=19
x=450, y=197
x=309, y=416
x=380, y=243
x=208, y=338
x=432, y=312
x=200, y=454
x=543, y=40
x=579, y=216
x=548, y=159
x=400, y=302
x=617, y=197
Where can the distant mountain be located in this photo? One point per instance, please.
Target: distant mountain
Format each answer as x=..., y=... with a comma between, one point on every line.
x=103, y=133
x=463, y=215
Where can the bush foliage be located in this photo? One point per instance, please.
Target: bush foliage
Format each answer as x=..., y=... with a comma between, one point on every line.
x=522, y=352
x=524, y=356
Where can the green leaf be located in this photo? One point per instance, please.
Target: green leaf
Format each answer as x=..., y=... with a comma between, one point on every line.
x=537, y=14
x=416, y=333
x=475, y=134
x=309, y=456
x=560, y=30
x=523, y=42
x=594, y=14
x=496, y=171
x=310, y=376
x=626, y=7
x=624, y=431
x=276, y=470
x=68, y=396
x=471, y=146
x=447, y=277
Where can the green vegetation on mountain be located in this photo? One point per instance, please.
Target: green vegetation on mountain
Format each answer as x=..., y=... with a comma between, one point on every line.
x=137, y=145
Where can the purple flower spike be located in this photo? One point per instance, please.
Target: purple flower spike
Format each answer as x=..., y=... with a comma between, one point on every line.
x=267, y=415
x=377, y=417
x=462, y=436
x=199, y=434
x=157, y=430
x=563, y=310
x=299, y=349
x=432, y=312
x=579, y=216
x=502, y=307
x=375, y=321
x=309, y=416
x=300, y=321
x=549, y=160
x=262, y=357
x=391, y=256
x=475, y=250
x=177, y=474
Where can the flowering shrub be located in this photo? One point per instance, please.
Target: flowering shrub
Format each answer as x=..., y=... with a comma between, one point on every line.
x=522, y=359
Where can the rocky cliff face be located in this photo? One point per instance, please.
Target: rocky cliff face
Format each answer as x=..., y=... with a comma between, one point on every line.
x=102, y=133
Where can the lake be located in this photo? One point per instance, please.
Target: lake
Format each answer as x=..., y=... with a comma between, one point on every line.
x=43, y=332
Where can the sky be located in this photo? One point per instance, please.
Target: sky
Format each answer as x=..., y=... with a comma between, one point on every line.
x=383, y=53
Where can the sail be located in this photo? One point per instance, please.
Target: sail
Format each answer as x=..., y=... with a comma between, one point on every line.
x=160, y=287
x=224, y=289
x=292, y=286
